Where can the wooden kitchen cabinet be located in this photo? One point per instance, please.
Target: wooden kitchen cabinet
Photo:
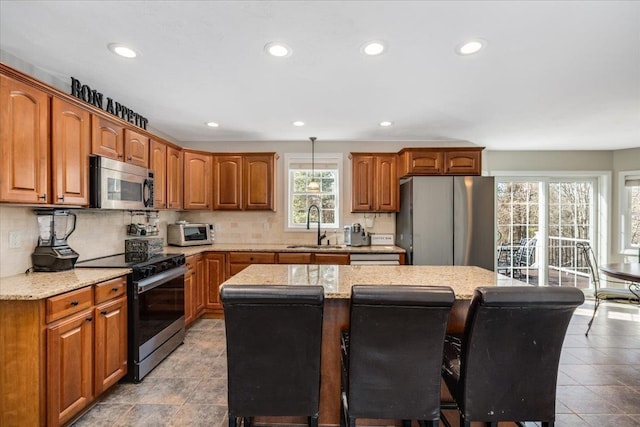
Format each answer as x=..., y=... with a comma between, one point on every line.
x=24, y=143
x=70, y=147
x=294, y=258
x=107, y=138
x=158, y=163
x=440, y=161
x=110, y=352
x=331, y=258
x=227, y=182
x=194, y=292
x=214, y=269
x=244, y=181
x=113, y=140
x=69, y=367
x=374, y=182
x=136, y=148
x=58, y=354
x=174, y=178
x=313, y=258
x=238, y=261
x=197, y=180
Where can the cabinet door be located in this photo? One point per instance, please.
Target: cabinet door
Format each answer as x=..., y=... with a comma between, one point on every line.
x=158, y=163
x=362, y=173
x=110, y=343
x=339, y=259
x=214, y=273
x=174, y=178
x=69, y=367
x=107, y=138
x=24, y=143
x=200, y=290
x=427, y=162
x=259, y=182
x=197, y=181
x=136, y=148
x=462, y=162
x=227, y=182
x=294, y=258
x=386, y=183
x=188, y=295
x=70, y=146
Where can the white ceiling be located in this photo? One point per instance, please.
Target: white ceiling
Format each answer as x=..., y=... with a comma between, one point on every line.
x=554, y=75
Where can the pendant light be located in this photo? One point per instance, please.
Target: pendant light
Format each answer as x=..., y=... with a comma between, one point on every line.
x=313, y=186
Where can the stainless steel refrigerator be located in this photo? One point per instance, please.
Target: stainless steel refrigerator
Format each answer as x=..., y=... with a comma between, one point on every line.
x=447, y=220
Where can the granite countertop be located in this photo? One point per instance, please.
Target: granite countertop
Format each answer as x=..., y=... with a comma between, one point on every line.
x=282, y=247
x=35, y=286
x=338, y=279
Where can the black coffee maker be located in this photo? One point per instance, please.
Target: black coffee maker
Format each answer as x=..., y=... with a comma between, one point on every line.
x=53, y=253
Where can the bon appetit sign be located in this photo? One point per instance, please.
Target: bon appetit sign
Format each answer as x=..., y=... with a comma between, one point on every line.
x=96, y=99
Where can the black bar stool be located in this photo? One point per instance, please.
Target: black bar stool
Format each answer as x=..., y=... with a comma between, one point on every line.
x=505, y=366
x=392, y=351
x=274, y=335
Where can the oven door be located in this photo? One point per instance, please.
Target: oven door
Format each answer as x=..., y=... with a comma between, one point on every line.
x=157, y=312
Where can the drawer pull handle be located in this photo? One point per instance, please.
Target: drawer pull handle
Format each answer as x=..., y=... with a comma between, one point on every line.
x=115, y=289
x=89, y=319
x=61, y=198
x=104, y=312
x=74, y=303
x=43, y=197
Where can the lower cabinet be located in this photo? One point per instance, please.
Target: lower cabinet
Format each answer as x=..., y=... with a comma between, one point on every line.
x=194, y=292
x=214, y=268
x=312, y=258
x=61, y=353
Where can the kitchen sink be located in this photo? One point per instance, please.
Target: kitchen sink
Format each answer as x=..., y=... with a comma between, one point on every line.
x=319, y=247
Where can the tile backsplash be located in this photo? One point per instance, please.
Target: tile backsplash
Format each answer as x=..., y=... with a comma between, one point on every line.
x=100, y=233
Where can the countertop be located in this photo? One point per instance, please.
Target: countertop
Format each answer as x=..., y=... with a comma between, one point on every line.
x=282, y=247
x=35, y=286
x=337, y=280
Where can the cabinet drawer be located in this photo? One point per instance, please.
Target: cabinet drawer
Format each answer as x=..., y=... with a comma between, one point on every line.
x=252, y=257
x=339, y=259
x=294, y=258
x=69, y=303
x=110, y=289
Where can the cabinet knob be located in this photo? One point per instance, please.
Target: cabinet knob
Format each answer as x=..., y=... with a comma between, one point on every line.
x=61, y=198
x=120, y=156
x=43, y=197
x=104, y=312
x=89, y=319
x=129, y=158
x=114, y=289
x=74, y=303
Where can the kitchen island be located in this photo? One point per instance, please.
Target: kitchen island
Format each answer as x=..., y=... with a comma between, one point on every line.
x=337, y=281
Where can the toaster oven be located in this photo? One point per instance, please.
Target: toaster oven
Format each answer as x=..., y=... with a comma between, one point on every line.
x=189, y=234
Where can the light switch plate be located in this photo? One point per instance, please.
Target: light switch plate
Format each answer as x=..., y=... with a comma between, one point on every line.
x=14, y=240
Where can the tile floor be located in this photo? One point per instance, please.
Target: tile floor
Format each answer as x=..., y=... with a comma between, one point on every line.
x=598, y=382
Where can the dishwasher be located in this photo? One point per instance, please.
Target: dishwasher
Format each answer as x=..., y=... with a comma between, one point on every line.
x=375, y=259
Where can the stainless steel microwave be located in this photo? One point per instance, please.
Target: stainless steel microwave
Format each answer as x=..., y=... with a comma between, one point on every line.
x=189, y=234
x=118, y=185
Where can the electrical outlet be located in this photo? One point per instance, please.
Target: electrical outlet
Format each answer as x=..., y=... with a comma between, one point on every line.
x=14, y=240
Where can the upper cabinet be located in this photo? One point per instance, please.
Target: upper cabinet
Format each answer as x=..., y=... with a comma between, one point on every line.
x=166, y=163
x=174, y=178
x=197, y=180
x=374, y=182
x=110, y=139
x=440, y=161
x=70, y=146
x=24, y=143
x=244, y=181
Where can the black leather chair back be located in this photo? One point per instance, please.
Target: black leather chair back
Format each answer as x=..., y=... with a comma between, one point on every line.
x=274, y=335
x=510, y=352
x=396, y=339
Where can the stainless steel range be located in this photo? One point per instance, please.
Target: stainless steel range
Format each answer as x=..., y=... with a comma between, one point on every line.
x=155, y=291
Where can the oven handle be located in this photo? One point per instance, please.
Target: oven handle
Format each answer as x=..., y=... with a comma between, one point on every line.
x=160, y=279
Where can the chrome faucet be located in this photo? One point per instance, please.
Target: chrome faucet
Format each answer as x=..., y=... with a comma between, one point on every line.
x=309, y=217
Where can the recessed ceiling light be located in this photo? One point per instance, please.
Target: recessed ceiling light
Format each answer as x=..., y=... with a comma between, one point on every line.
x=373, y=48
x=298, y=123
x=122, y=50
x=212, y=124
x=277, y=49
x=386, y=124
x=470, y=46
